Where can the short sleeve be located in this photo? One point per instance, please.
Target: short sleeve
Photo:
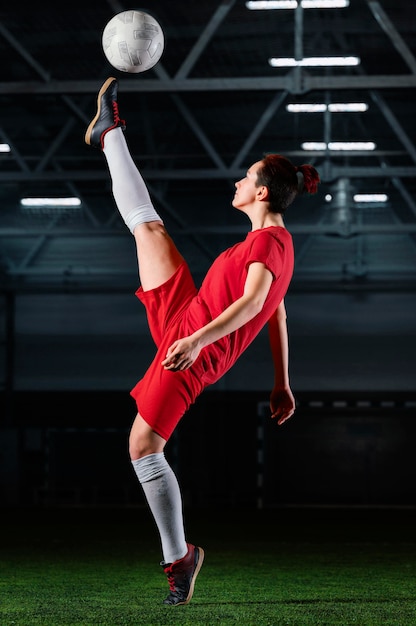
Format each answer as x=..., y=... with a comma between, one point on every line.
x=267, y=249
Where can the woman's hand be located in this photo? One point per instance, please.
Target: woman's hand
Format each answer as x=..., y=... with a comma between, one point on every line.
x=282, y=404
x=182, y=354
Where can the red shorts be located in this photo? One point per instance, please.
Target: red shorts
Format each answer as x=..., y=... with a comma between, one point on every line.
x=163, y=396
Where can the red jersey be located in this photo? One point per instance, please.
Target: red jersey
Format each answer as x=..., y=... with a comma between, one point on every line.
x=224, y=284
x=177, y=308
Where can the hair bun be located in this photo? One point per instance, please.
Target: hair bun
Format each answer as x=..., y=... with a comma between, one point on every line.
x=308, y=178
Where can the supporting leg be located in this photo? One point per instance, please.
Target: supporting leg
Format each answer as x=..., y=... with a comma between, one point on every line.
x=182, y=561
x=160, y=487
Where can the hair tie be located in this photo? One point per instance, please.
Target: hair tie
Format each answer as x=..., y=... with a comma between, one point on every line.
x=301, y=180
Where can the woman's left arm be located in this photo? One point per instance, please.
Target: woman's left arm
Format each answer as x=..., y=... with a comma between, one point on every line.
x=183, y=352
x=282, y=402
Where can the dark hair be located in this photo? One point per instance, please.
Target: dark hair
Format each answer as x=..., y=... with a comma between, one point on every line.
x=285, y=181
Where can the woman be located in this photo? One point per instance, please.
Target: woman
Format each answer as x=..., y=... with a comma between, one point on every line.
x=199, y=333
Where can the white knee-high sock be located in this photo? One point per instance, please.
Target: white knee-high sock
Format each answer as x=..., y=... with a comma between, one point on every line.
x=129, y=189
x=162, y=492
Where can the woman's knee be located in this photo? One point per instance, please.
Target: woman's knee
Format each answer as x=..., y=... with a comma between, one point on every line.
x=148, y=232
x=143, y=440
x=140, y=447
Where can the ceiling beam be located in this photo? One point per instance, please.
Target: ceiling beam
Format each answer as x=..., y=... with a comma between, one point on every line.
x=295, y=229
x=328, y=172
x=392, y=120
x=395, y=37
x=205, y=37
x=265, y=83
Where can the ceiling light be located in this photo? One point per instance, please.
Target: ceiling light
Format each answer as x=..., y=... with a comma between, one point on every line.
x=339, y=145
x=50, y=202
x=352, y=145
x=314, y=61
x=325, y=4
x=364, y=197
x=261, y=5
x=314, y=145
x=4, y=147
x=336, y=107
x=371, y=197
x=266, y=5
x=306, y=108
x=348, y=107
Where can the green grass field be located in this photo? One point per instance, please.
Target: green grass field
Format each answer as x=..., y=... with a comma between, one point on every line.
x=302, y=567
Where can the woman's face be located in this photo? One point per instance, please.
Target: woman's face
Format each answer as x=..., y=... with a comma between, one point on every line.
x=246, y=190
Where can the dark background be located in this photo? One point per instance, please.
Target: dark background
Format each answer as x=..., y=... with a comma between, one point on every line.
x=74, y=339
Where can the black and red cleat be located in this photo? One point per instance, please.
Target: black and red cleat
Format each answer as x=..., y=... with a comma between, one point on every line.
x=107, y=116
x=181, y=576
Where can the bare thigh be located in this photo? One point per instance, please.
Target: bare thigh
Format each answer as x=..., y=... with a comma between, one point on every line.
x=157, y=254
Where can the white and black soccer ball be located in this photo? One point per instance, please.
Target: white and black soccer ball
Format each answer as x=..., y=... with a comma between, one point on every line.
x=133, y=41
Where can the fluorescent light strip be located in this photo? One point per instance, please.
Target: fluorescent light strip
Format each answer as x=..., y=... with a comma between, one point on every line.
x=50, y=202
x=339, y=145
x=370, y=197
x=352, y=145
x=306, y=108
x=267, y=5
x=335, y=107
x=364, y=197
x=325, y=4
x=4, y=147
x=314, y=61
x=348, y=107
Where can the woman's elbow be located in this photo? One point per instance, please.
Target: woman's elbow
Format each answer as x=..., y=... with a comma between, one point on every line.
x=256, y=305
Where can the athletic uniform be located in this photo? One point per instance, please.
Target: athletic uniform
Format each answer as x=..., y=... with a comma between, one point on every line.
x=177, y=309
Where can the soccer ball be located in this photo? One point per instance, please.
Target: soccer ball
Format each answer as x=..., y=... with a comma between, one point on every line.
x=133, y=41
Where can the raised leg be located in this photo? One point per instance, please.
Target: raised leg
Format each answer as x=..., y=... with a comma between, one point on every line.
x=157, y=254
